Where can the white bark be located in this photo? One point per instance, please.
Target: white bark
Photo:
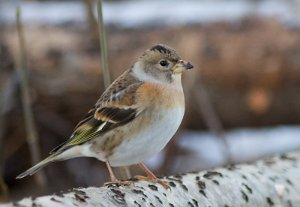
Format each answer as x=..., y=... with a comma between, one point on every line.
x=272, y=182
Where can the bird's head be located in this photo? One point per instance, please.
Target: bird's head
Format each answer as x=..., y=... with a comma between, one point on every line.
x=162, y=63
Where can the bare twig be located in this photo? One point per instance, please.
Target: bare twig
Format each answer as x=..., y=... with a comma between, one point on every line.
x=6, y=103
x=7, y=94
x=91, y=18
x=210, y=118
x=4, y=192
x=32, y=136
x=124, y=171
x=206, y=108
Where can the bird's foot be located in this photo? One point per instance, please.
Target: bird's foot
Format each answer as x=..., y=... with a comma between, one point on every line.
x=118, y=183
x=164, y=184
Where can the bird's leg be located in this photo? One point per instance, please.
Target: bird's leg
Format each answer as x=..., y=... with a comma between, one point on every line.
x=151, y=177
x=149, y=173
x=111, y=173
x=113, y=178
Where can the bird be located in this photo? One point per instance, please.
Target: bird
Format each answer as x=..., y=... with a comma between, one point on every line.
x=134, y=118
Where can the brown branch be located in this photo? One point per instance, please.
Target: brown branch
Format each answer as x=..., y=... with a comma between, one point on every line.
x=210, y=118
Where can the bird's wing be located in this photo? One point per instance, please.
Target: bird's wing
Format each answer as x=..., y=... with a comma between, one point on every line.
x=117, y=106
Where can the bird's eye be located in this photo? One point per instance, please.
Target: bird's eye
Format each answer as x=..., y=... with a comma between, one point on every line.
x=164, y=63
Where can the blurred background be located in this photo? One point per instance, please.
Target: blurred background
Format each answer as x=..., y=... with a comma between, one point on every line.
x=242, y=98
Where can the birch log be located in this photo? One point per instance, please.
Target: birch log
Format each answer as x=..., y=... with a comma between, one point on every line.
x=271, y=182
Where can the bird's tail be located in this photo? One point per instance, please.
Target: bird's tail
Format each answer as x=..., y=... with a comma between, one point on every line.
x=40, y=165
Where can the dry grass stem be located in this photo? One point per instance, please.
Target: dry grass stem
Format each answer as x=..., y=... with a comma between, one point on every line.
x=103, y=46
x=124, y=171
x=32, y=136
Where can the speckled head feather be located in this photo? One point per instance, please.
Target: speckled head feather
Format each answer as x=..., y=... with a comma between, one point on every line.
x=161, y=48
x=166, y=51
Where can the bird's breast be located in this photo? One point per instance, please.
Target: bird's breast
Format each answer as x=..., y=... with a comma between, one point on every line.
x=160, y=96
x=153, y=128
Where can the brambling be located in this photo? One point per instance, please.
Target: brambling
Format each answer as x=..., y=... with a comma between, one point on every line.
x=135, y=117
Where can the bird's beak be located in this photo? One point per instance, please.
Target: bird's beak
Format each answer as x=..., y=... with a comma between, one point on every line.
x=181, y=66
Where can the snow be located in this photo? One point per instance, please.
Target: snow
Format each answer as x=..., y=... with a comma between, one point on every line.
x=204, y=150
x=145, y=13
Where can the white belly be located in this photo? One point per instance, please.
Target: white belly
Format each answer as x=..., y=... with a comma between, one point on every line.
x=149, y=141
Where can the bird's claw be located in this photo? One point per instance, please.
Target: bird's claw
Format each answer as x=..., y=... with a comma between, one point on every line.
x=118, y=183
x=164, y=184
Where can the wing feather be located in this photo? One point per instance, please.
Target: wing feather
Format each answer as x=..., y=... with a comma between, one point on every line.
x=117, y=106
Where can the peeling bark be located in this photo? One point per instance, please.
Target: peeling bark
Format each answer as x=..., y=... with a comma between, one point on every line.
x=269, y=182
